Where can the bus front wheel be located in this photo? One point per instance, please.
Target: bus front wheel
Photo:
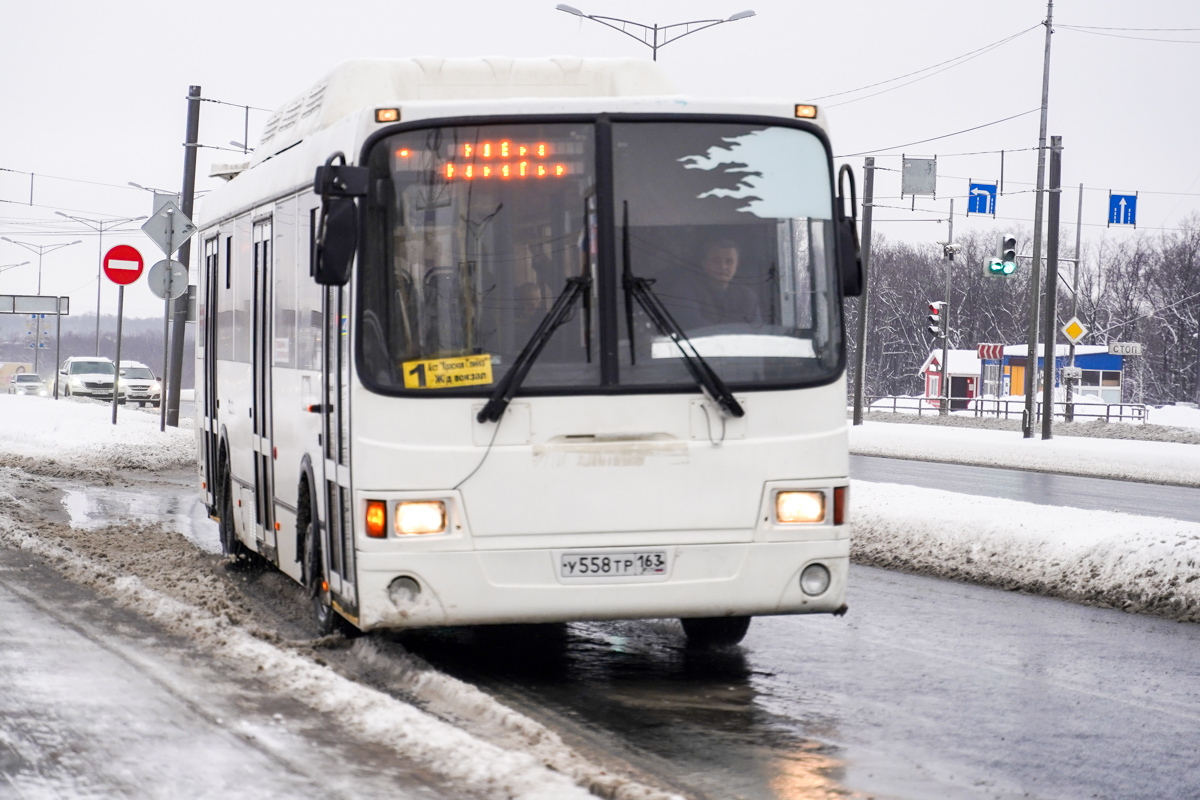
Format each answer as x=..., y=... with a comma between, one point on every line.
x=231, y=545
x=314, y=568
x=715, y=631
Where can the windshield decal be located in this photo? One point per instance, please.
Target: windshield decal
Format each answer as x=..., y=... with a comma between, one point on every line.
x=448, y=373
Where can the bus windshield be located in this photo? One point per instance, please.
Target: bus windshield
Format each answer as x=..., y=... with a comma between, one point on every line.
x=474, y=231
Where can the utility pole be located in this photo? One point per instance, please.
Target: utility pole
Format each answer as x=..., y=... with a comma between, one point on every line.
x=1035, y=278
x=1075, y=302
x=1050, y=336
x=949, y=253
x=861, y=348
x=179, y=310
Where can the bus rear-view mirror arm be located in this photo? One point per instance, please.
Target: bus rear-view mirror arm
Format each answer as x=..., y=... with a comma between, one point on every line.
x=337, y=231
x=849, y=257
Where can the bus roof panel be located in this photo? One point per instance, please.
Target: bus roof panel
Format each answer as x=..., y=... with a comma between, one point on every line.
x=363, y=83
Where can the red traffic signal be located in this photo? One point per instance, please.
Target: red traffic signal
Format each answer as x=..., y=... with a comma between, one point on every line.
x=937, y=319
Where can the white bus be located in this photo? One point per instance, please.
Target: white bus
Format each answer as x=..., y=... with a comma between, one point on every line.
x=542, y=341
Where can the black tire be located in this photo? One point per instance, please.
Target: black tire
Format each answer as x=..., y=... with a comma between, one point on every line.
x=141, y=404
x=715, y=631
x=231, y=545
x=327, y=620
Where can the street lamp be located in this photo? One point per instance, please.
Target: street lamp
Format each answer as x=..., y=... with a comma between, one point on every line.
x=40, y=249
x=649, y=33
x=7, y=267
x=99, y=225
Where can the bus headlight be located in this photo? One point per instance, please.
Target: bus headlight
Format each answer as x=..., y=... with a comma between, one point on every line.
x=792, y=507
x=420, y=517
x=814, y=580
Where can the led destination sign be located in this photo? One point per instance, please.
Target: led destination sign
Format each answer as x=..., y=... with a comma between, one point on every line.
x=526, y=161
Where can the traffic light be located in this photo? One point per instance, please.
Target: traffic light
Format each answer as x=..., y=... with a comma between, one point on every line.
x=1005, y=261
x=937, y=319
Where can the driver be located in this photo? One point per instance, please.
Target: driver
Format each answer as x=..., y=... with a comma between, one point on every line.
x=713, y=295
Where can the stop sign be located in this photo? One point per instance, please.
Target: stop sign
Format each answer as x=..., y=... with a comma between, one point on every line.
x=123, y=264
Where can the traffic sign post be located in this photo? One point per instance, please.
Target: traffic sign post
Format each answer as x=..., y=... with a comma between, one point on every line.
x=122, y=265
x=168, y=228
x=1122, y=209
x=981, y=199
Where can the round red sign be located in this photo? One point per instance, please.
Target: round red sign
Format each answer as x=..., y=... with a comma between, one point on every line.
x=123, y=264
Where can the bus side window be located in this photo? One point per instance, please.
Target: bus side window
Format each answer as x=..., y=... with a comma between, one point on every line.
x=243, y=292
x=284, y=294
x=224, y=310
x=308, y=302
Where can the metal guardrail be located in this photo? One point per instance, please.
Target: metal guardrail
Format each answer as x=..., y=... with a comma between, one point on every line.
x=1009, y=409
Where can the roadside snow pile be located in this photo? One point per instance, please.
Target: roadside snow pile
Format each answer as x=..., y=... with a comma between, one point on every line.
x=76, y=438
x=1152, y=462
x=1143, y=564
x=1180, y=416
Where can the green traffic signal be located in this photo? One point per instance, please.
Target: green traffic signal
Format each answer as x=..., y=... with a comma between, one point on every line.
x=1005, y=261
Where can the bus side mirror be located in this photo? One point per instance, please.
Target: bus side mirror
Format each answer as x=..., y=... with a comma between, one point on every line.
x=849, y=258
x=337, y=231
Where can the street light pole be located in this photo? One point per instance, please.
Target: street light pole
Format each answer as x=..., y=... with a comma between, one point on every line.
x=41, y=250
x=649, y=34
x=99, y=226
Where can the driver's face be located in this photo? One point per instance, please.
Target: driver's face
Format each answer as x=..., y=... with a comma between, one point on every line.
x=721, y=264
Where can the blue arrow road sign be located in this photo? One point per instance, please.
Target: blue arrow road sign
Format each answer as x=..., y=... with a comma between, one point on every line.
x=1122, y=209
x=982, y=199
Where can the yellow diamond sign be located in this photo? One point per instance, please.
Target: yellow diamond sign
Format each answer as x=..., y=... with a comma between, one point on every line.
x=1074, y=330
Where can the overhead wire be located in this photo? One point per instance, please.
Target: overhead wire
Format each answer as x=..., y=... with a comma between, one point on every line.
x=1123, y=36
x=943, y=136
x=926, y=69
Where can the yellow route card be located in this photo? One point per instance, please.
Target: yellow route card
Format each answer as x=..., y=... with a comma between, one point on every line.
x=446, y=373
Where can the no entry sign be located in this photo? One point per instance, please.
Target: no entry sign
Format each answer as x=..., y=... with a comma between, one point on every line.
x=123, y=265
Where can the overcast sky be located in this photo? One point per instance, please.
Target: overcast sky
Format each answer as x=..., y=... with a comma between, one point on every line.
x=96, y=93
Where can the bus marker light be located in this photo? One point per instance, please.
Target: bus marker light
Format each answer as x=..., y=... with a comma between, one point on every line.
x=814, y=580
x=387, y=114
x=376, y=519
x=803, y=507
x=805, y=111
x=420, y=517
x=839, y=504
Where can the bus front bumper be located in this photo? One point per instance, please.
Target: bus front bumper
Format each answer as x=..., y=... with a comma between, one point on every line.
x=525, y=586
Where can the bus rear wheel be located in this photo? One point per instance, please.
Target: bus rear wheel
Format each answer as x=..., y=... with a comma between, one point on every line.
x=715, y=631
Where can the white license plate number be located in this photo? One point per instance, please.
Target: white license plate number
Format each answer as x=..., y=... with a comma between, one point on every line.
x=632, y=564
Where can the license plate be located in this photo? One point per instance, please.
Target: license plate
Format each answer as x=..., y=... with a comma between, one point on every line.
x=634, y=563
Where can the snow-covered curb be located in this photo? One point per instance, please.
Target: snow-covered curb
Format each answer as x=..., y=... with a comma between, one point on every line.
x=1144, y=564
x=1149, y=462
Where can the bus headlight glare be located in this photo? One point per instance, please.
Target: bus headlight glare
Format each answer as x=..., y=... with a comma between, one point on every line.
x=421, y=517
x=814, y=580
x=791, y=507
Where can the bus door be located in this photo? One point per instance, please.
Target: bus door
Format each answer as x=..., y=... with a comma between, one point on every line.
x=260, y=410
x=338, y=531
x=210, y=428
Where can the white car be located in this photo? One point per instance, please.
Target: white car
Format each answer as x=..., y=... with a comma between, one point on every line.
x=87, y=376
x=138, y=384
x=27, y=383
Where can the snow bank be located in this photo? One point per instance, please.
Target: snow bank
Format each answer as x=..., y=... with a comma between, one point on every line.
x=1144, y=564
x=75, y=437
x=1151, y=462
x=1175, y=415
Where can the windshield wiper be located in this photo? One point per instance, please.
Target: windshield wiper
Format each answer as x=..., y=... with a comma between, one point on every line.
x=504, y=391
x=639, y=289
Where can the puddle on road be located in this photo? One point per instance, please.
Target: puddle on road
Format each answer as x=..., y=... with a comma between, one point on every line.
x=694, y=717
x=178, y=507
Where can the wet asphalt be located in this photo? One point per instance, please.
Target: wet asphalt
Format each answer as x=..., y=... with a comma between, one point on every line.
x=926, y=689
